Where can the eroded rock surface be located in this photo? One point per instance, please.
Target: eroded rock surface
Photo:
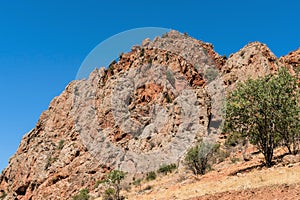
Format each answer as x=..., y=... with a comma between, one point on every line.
x=141, y=112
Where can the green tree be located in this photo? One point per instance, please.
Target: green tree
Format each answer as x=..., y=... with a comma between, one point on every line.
x=266, y=111
x=286, y=104
x=113, y=182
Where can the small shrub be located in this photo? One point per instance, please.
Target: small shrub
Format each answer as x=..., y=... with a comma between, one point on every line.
x=109, y=194
x=137, y=182
x=199, y=157
x=222, y=155
x=98, y=183
x=60, y=145
x=49, y=162
x=170, y=78
x=233, y=140
x=83, y=195
x=211, y=74
x=234, y=160
x=168, y=98
x=167, y=57
x=151, y=176
x=3, y=195
x=165, y=169
x=113, y=184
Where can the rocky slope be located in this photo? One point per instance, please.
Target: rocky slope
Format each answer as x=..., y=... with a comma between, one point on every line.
x=143, y=111
x=252, y=61
x=292, y=60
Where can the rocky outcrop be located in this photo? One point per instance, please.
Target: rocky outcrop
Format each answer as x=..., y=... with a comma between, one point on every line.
x=252, y=61
x=51, y=161
x=141, y=112
x=292, y=60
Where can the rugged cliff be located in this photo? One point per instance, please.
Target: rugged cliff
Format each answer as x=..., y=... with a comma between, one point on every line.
x=141, y=112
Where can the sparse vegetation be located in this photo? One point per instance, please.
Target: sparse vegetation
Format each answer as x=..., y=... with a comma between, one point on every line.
x=232, y=140
x=60, y=145
x=48, y=163
x=113, y=184
x=219, y=154
x=170, y=78
x=211, y=74
x=138, y=183
x=109, y=193
x=3, y=195
x=168, y=98
x=266, y=112
x=98, y=183
x=234, y=160
x=167, y=57
x=83, y=195
x=165, y=169
x=199, y=158
x=151, y=176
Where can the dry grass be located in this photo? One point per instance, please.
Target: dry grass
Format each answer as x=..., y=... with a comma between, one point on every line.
x=215, y=182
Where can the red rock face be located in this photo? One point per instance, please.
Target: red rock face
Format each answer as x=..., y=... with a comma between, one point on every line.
x=292, y=60
x=148, y=93
x=141, y=112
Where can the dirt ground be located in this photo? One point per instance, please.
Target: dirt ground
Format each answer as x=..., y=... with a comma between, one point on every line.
x=240, y=180
x=280, y=192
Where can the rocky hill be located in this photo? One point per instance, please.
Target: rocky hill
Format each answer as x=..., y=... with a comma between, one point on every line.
x=252, y=61
x=141, y=112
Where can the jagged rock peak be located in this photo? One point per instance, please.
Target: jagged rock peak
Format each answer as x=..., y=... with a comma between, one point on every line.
x=185, y=46
x=252, y=61
x=292, y=60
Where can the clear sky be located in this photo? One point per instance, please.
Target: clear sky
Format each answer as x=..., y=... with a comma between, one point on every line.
x=43, y=43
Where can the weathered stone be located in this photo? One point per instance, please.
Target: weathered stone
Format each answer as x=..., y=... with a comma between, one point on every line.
x=142, y=112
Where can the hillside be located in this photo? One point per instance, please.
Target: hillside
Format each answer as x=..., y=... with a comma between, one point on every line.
x=143, y=111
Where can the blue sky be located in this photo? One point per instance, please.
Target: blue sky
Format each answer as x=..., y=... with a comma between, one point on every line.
x=43, y=43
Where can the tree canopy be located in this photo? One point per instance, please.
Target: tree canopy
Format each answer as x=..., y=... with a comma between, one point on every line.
x=266, y=111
